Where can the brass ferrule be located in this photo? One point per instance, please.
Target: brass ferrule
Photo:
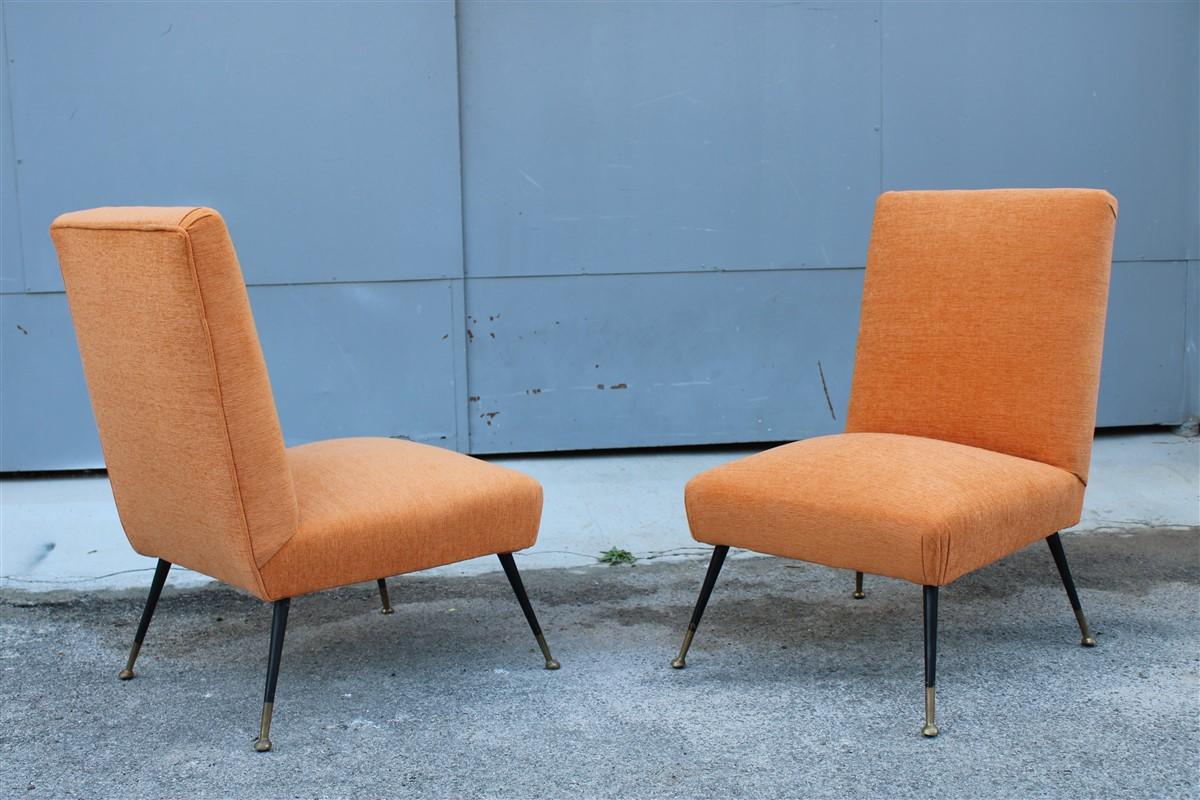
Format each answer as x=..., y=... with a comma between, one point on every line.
x=127, y=673
x=384, y=597
x=681, y=660
x=263, y=743
x=1088, y=640
x=550, y=662
x=930, y=729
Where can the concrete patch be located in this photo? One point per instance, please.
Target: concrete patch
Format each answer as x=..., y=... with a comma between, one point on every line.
x=793, y=689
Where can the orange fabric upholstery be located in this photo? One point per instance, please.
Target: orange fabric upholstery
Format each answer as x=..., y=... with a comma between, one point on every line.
x=983, y=320
x=973, y=400
x=370, y=508
x=192, y=442
x=179, y=388
x=903, y=506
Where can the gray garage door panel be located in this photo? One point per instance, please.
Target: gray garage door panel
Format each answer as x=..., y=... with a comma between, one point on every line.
x=1191, y=353
x=732, y=357
x=646, y=137
x=326, y=133
x=362, y=360
x=1144, y=376
x=45, y=419
x=1050, y=94
x=330, y=374
x=12, y=275
x=729, y=152
x=632, y=360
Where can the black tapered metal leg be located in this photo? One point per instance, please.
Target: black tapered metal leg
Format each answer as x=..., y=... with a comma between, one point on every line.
x=278, y=627
x=518, y=587
x=1060, y=561
x=384, y=598
x=710, y=580
x=156, y=587
x=858, y=590
x=929, y=613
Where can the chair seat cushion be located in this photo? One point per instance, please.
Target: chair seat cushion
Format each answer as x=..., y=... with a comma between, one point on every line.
x=370, y=508
x=908, y=507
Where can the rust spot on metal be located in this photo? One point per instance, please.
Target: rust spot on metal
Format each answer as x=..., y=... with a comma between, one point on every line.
x=491, y=334
x=599, y=385
x=22, y=330
x=619, y=386
x=533, y=391
x=473, y=398
x=489, y=416
x=470, y=335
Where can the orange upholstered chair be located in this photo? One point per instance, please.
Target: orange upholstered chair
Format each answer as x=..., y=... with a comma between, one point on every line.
x=192, y=442
x=971, y=410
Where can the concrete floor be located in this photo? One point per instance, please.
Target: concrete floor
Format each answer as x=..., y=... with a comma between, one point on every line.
x=793, y=689
x=64, y=532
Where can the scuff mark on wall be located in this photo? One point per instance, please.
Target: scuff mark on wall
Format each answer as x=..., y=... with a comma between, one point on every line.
x=825, y=388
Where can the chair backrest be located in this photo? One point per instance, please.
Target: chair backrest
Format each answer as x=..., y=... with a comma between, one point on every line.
x=179, y=387
x=983, y=320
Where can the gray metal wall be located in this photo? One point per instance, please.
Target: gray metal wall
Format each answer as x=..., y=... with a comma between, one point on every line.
x=536, y=226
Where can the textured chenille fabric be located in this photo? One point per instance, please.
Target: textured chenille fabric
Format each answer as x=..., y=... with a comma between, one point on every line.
x=373, y=507
x=983, y=320
x=192, y=441
x=179, y=388
x=973, y=401
x=904, y=506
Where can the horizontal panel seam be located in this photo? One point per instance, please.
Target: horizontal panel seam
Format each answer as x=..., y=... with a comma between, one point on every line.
x=706, y=271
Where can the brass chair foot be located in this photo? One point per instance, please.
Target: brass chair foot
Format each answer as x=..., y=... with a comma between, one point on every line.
x=681, y=660
x=550, y=662
x=384, y=599
x=278, y=628
x=263, y=743
x=858, y=586
x=1087, y=639
x=127, y=673
x=710, y=580
x=156, y=587
x=929, y=729
x=518, y=587
x=1064, y=571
